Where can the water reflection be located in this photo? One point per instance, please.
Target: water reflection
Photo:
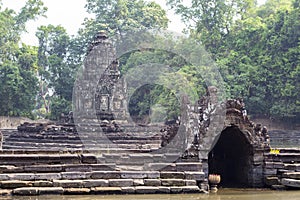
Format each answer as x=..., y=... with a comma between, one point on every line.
x=225, y=194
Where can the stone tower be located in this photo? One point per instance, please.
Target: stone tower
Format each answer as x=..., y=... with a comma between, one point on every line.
x=100, y=92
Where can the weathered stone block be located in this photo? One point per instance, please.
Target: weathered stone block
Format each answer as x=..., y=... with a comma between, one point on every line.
x=146, y=190
x=68, y=183
x=15, y=184
x=278, y=165
x=190, y=189
x=164, y=190
x=190, y=182
x=128, y=190
x=22, y=176
x=278, y=187
x=269, y=165
x=290, y=167
x=25, y=191
x=133, y=175
x=105, y=175
x=138, y=182
x=152, y=182
x=176, y=190
x=50, y=190
x=270, y=171
x=271, y=181
x=290, y=182
x=4, y=177
x=95, y=183
x=43, y=168
x=120, y=182
x=292, y=175
x=76, y=191
x=48, y=176
x=162, y=166
x=75, y=175
x=153, y=175
x=172, y=182
x=172, y=175
x=89, y=158
x=199, y=176
x=106, y=190
x=182, y=167
x=42, y=184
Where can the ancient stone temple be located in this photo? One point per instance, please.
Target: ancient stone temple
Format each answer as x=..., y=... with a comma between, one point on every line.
x=100, y=91
x=103, y=152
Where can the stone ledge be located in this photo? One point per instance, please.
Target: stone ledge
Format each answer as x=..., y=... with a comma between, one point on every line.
x=14, y=184
x=38, y=191
x=290, y=182
x=292, y=175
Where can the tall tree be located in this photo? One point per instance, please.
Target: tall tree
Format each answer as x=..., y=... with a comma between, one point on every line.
x=211, y=19
x=56, y=75
x=119, y=17
x=18, y=62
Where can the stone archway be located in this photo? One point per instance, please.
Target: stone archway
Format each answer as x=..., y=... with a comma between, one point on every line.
x=231, y=158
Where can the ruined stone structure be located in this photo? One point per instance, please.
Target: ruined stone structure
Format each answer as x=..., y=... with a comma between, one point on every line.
x=108, y=154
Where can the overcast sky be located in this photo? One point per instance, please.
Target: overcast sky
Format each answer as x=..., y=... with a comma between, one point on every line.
x=71, y=13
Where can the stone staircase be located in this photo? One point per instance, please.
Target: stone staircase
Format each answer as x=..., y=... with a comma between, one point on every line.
x=282, y=168
x=56, y=161
x=30, y=172
x=63, y=138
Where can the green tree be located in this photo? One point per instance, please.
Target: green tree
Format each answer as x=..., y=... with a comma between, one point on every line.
x=18, y=62
x=119, y=17
x=211, y=20
x=56, y=74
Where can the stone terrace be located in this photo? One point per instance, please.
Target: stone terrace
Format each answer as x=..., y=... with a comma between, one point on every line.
x=53, y=162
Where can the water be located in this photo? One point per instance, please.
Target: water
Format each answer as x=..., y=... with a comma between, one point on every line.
x=225, y=194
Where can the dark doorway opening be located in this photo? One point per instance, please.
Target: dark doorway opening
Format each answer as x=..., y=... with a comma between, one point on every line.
x=230, y=157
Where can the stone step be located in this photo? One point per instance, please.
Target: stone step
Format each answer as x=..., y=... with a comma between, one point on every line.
x=289, y=150
x=290, y=182
x=30, y=159
x=72, y=138
x=136, y=134
x=57, y=168
x=77, y=159
x=81, y=176
x=24, y=191
x=284, y=157
x=81, y=151
x=293, y=167
x=88, y=147
x=291, y=175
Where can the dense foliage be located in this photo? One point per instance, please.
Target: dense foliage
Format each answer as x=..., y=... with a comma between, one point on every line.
x=256, y=47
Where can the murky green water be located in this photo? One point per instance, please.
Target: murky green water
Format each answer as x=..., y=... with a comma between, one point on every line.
x=222, y=195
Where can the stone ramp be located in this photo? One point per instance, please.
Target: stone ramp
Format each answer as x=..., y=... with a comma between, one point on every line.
x=77, y=172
